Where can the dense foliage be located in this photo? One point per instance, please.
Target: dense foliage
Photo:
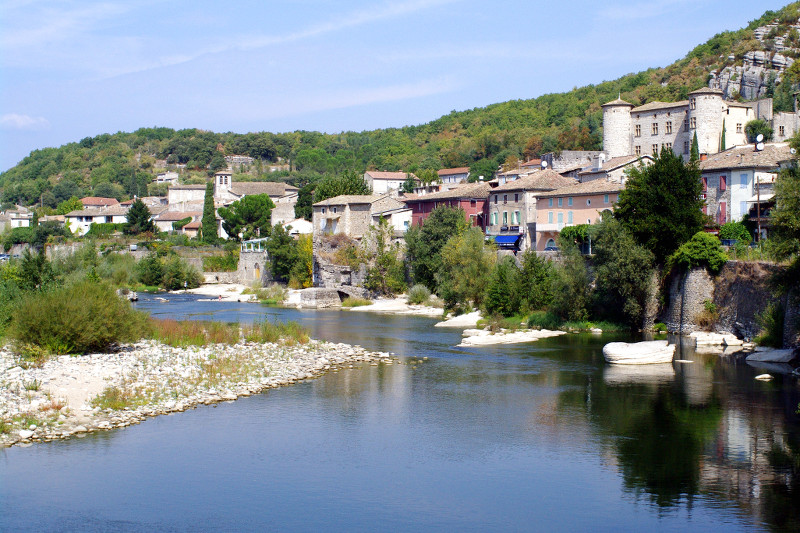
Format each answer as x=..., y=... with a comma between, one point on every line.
x=424, y=243
x=139, y=219
x=702, y=250
x=248, y=218
x=661, y=204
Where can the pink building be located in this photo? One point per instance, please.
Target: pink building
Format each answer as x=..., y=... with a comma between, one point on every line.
x=572, y=205
x=471, y=197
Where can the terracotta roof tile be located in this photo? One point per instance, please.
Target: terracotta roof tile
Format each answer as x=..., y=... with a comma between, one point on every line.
x=747, y=157
x=542, y=180
x=468, y=190
x=451, y=171
x=599, y=186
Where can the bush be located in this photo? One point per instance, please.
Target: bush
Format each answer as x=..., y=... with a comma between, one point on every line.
x=149, y=270
x=418, y=294
x=735, y=231
x=771, y=321
x=179, y=275
x=501, y=296
x=287, y=332
x=708, y=316
x=228, y=262
x=85, y=317
x=193, y=332
x=105, y=229
x=703, y=249
x=544, y=320
x=355, y=302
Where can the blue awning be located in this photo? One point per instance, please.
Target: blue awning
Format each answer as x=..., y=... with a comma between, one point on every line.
x=506, y=239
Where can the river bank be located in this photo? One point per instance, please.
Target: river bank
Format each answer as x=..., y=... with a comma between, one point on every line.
x=72, y=395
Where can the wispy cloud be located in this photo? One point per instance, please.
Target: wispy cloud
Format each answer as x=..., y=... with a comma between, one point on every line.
x=15, y=121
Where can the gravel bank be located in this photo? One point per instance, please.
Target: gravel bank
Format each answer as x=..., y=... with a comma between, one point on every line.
x=60, y=399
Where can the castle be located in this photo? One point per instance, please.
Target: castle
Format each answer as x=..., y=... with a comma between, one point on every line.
x=647, y=129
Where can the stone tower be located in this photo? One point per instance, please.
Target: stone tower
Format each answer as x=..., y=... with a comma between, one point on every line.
x=617, y=128
x=706, y=110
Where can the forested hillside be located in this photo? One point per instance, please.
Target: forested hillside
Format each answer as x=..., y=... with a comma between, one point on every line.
x=125, y=164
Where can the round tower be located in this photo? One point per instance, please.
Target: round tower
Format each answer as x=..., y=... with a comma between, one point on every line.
x=706, y=109
x=617, y=128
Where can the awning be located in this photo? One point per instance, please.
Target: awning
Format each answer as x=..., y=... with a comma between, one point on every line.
x=508, y=240
x=765, y=197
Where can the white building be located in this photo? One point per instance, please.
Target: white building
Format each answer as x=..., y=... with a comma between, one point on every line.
x=384, y=182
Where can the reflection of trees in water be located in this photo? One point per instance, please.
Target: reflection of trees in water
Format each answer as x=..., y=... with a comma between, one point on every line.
x=780, y=497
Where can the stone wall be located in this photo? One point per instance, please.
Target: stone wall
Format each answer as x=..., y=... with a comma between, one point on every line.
x=220, y=277
x=740, y=293
x=253, y=267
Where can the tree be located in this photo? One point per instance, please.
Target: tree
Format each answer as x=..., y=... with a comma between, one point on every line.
x=735, y=231
x=149, y=270
x=139, y=219
x=623, y=273
x=303, y=208
x=348, y=182
x=68, y=206
x=282, y=251
x=785, y=216
x=695, y=149
x=217, y=163
x=424, y=243
x=571, y=287
x=251, y=216
x=534, y=282
x=466, y=266
x=703, y=249
x=302, y=272
x=208, y=225
x=409, y=184
x=502, y=297
x=483, y=167
x=757, y=127
x=385, y=273
x=428, y=176
x=661, y=204
x=722, y=139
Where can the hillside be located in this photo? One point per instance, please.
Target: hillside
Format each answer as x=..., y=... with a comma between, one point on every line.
x=746, y=63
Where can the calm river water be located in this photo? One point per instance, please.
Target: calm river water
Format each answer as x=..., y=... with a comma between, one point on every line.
x=540, y=436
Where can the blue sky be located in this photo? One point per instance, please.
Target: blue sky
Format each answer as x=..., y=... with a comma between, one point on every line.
x=76, y=68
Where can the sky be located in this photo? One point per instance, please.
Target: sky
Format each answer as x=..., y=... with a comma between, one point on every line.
x=76, y=68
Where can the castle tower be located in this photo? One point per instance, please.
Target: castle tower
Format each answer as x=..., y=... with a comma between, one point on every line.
x=706, y=109
x=617, y=128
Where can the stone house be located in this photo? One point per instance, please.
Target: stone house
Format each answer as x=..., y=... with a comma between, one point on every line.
x=581, y=203
x=453, y=176
x=647, y=129
x=512, y=208
x=79, y=222
x=164, y=220
x=736, y=180
x=19, y=217
x=384, y=182
x=283, y=195
x=613, y=169
x=186, y=197
x=471, y=197
x=352, y=215
x=167, y=177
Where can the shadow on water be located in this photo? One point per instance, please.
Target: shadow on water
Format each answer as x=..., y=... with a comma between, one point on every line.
x=541, y=435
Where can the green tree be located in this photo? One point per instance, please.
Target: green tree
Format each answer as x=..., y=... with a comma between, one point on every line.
x=348, y=182
x=482, y=167
x=502, y=297
x=785, y=216
x=703, y=249
x=571, y=288
x=35, y=271
x=735, y=230
x=385, y=272
x=303, y=208
x=217, y=163
x=695, y=149
x=149, y=270
x=757, y=127
x=251, y=216
x=424, y=243
x=302, y=272
x=70, y=205
x=534, y=282
x=208, y=224
x=466, y=266
x=623, y=273
x=139, y=219
x=428, y=176
x=661, y=204
x=282, y=251
x=409, y=184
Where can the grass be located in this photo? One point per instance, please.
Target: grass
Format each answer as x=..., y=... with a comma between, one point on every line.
x=5, y=426
x=272, y=295
x=350, y=301
x=181, y=334
x=547, y=320
x=117, y=399
x=289, y=332
x=33, y=385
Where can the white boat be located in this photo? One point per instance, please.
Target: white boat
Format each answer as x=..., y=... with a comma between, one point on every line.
x=638, y=353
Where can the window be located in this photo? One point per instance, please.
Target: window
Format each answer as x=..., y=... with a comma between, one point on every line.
x=560, y=202
x=655, y=149
x=742, y=181
x=494, y=218
x=638, y=130
x=655, y=128
x=561, y=218
x=693, y=103
x=550, y=243
x=638, y=150
x=723, y=183
x=549, y=202
x=668, y=126
x=473, y=203
x=742, y=208
x=505, y=218
x=589, y=202
x=323, y=210
x=686, y=125
x=605, y=199
x=569, y=201
x=705, y=183
x=569, y=217
x=739, y=127
x=495, y=199
x=722, y=215
x=516, y=218
x=505, y=198
x=693, y=123
x=685, y=147
x=668, y=146
x=781, y=131
x=549, y=217
x=333, y=209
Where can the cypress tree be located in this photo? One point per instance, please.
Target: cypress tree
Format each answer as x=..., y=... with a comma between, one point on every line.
x=722, y=141
x=208, y=228
x=695, y=151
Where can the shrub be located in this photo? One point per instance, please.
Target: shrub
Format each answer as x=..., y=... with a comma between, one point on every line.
x=771, y=321
x=418, y=294
x=501, y=297
x=228, y=262
x=703, y=249
x=355, y=302
x=149, y=270
x=735, y=231
x=708, y=316
x=84, y=317
x=177, y=274
x=104, y=229
x=544, y=320
x=193, y=332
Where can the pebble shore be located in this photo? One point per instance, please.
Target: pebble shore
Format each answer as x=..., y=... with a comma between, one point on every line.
x=59, y=399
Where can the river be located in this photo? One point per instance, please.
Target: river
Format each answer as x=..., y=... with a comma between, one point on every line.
x=538, y=436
